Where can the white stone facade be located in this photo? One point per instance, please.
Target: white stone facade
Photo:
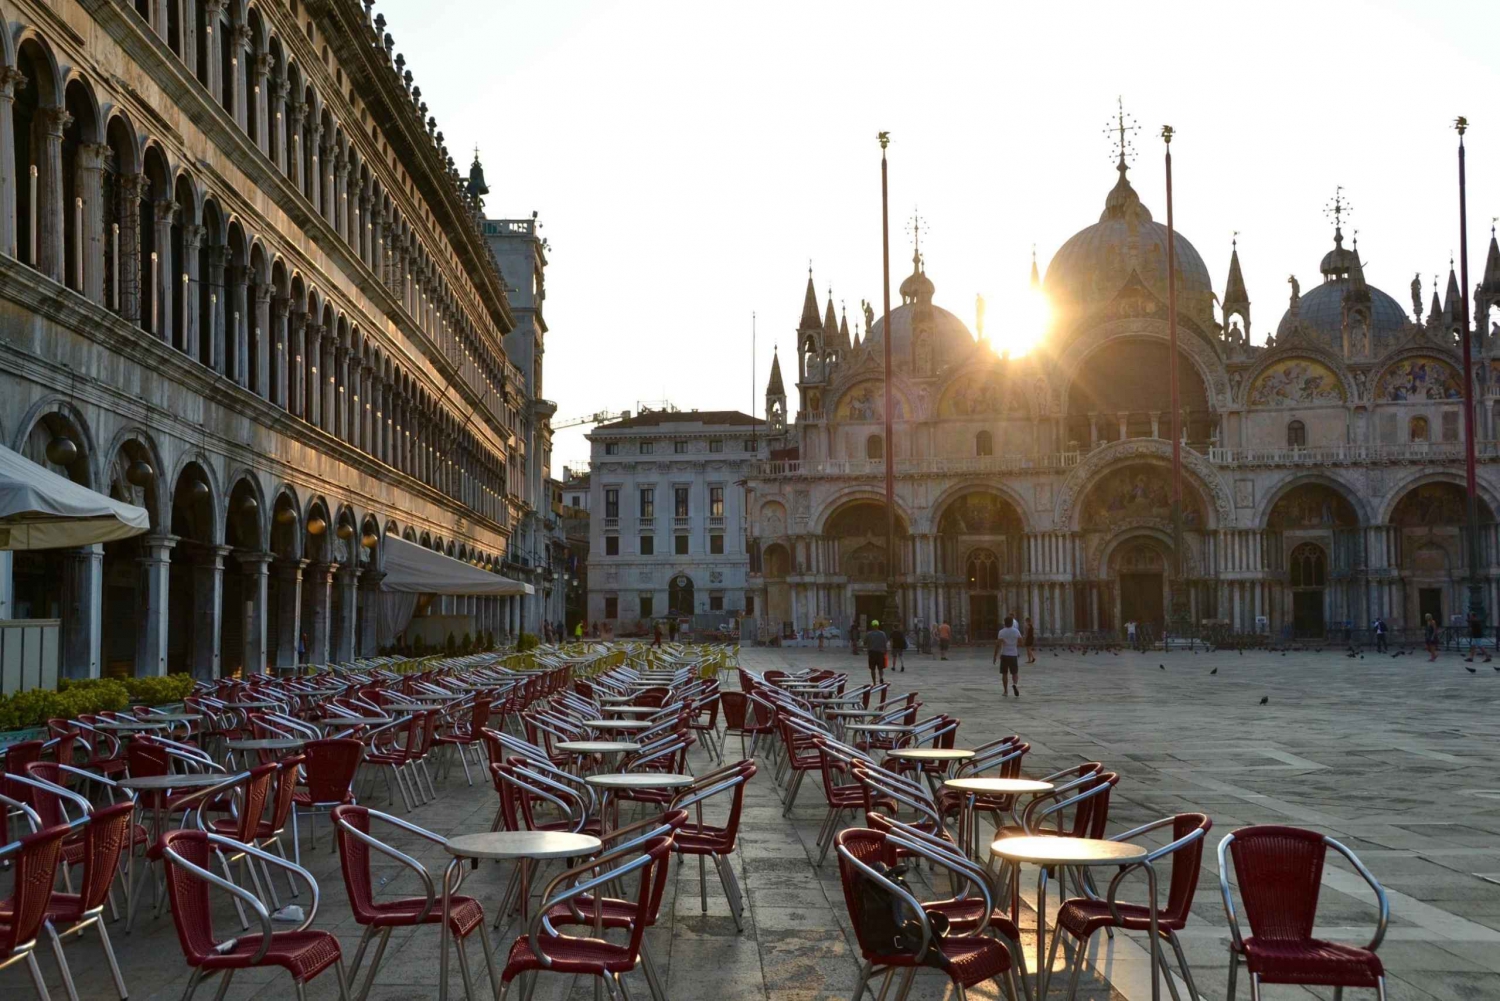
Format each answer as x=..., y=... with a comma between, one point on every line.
x=1323, y=470
x=669, y=482
x=242, y=286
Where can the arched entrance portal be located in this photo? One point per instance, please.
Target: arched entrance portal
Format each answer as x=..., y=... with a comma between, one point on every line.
x=680, y=595
x=778, y=563
x=856, y=533
x=979, y=544
x=1307, y=572
x=1140, y=568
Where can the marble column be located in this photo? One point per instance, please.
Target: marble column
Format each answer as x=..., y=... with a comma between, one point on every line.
x=255, y=567
x=289, y=610
x=51, y=246
x=187, y=279
x=128, y=247
x=261, y=72
x=239, y=49
x=91, y=160
x=160, y=265
x=344, y=394
x=262, y=380
x=208, y=610
x=344, y=630
x=377, y=418
x=83, y=602
x=238, y=317
x=319, y=579
x=297, y=368
x=10, y=79
x=151, y=640
x=296, y=110
x=329, y=378
x=369, y=611
x=313, y=389
x=216, y=334
x=213, y=54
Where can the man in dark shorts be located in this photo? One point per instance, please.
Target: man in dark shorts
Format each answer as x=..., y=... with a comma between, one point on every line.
x=945, y=636
x=1008, y=653
x=875, y=645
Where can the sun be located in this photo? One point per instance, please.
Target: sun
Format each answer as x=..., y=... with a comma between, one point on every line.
x=1027, y=317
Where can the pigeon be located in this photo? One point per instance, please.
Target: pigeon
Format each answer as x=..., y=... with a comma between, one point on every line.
x=1216, y=670
x=1265, y=700
x=1162, y=666
x=1472, y=670
x=1240, y=652
x=1496, y=668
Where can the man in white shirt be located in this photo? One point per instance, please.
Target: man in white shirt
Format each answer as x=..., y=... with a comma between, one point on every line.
x=1008, y=652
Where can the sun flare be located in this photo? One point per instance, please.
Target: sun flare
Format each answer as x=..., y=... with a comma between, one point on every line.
x=1027, y=317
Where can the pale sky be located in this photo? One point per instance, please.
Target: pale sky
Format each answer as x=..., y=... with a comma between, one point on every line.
x=687, y=159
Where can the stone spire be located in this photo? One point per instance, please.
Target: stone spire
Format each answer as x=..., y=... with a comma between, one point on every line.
x=1236, y=302
x=830, y=323
x=775, y=387
x=476, y=186
x=1036, y=277
x=1451, y=304
x=810, y=307
x=1435, y=311
x=1492, y=265
x=844, y=340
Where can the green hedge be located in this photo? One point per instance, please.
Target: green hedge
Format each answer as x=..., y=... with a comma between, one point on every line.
x=526, y=641
x=91, y=695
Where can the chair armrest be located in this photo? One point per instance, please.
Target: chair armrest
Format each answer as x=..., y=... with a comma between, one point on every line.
x=404, y=859
x=1237, y=940
x=245, y=895
x=896, y=890
x=1380, y=897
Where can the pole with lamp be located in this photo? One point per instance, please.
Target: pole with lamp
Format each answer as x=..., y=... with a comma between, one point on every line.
x=1179, y=623
x=1475, y=548
x=889, y=613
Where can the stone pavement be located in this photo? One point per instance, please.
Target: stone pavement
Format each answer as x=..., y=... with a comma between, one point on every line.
x=1395, y=757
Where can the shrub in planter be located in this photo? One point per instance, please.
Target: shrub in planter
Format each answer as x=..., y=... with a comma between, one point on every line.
x=526, y=641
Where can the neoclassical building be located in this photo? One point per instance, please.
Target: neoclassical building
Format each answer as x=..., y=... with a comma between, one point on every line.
x=1324, y=476
x=243, y=285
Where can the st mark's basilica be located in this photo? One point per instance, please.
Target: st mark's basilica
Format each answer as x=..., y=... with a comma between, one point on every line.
x=1323, y=469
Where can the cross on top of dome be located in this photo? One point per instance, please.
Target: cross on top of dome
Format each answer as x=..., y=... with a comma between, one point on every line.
x=1122, y=128
x=1337, y=208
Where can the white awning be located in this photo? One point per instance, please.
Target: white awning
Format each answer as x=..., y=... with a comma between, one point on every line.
x=41, y=510
x=410, y=567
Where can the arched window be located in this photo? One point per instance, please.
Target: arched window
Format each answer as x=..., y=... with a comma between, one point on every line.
x=1296, y=434
x=983, y=571
x=874, y=447
x=984, y=443
x=1307, y=566
x=1419, y=430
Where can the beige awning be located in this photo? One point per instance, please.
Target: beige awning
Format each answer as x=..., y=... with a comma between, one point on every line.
x=41, y=510
x=410, y=567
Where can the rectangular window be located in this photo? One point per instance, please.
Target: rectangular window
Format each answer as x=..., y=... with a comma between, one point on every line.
x=749, y=445
x=648, y=447
x=680, y=447
x=611, y=448
x=648, y=502
x=716, y=445
x=612, y=503
x=611, y=607
x=716, y=544
x=716, y=603
x=1388, y=429
x=611, y=545
x=680, y=502
x=716, y=502
x=749, y=604
x=682, y=545
x=1450, y=425
x=648, y=545
x=646, y=609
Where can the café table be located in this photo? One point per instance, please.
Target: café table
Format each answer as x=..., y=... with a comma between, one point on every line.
x=607, y=782
x=333, y=722
x=524, y=847
x=930, y=755
x=631, y=710
x=616, y=724
x=972, y=787
x=583, y=748
x=205, y=781
x=1048, y=852
x=264, y=744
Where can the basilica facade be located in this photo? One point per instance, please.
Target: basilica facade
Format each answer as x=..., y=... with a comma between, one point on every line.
x=244, y=286
x=1323, y=468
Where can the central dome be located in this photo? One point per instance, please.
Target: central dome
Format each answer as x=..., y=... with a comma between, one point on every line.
x=946, y=337
x=1095, y=263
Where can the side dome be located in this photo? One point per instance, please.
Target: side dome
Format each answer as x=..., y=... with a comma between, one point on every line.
x=1095, y=263
x=1320, y=313
x=924, y=337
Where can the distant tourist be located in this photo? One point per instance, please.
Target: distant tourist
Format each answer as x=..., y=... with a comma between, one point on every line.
x=945, y=636
x=1008, y=653
x=656, y=634
x=898, y=648
x=1030, y=642
x=1430, y=637
x=1476, y=637
x=854, y=638
x=1380, y=631
x=1130, y=634
x=875, y=648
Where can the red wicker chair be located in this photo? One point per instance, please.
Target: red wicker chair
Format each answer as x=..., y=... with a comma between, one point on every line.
x=34, y=861
x=713, y=841
x=329, y=766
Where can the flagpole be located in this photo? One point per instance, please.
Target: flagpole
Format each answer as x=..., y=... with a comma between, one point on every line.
x=1179, y=610
x=890, y=612
x=1476, y=549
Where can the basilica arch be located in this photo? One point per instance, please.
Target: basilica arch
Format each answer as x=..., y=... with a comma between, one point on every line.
x=979, y=557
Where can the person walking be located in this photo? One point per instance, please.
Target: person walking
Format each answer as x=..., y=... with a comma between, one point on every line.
x=854, y=638
x=302, y=649
x=875, y=649
x=945, y=636
x=1476, y=639
x=898, y=648
x=656, y=634
x=1380, y=631
x=1130, y=633
x=1430, y=637
x=1008, y=653
x=1030, y=642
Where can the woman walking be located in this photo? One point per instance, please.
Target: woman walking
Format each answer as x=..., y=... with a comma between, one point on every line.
x=898, y=648
x=1030, y=642
x=1430, y=636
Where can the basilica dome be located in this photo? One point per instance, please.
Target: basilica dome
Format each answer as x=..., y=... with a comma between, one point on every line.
x=1321, y=310
x=1095, y=263
x=948, y=337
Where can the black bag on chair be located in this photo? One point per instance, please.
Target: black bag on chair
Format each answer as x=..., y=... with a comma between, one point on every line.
x=883, y=918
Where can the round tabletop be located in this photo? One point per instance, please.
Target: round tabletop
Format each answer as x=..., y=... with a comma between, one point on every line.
x=252, y=705
x=597, y=746
x=522, y=844
x=175, y=717
x=930, y=754
x=138, y=725
x=413, y=707
x=639, y=780
x=631, y=710
x=853, y=713
x=1068, y=851
x=997, y=786
x=441, y=696
x=616, y=724
x=615, y=698
x=879, y=727
x=354, y=720
x=150, y=782
x=265, y=744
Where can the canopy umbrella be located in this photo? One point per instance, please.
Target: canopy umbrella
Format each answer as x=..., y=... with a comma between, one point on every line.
x=41, y=510
x=410, y=567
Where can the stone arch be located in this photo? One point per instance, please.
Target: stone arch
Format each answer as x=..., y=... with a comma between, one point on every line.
x=130, y=445
x=1116, y=376
x=196, y=501
x=31, y=45
x=1218, y=505
x=1301, y=351
x=1000, y=490
x=848, y=495
x=57, y=417
x=285, y=534
x=244, y=514
x=1102, y=558
x=1398, y=492
x=1300, y=479
x=317, y=530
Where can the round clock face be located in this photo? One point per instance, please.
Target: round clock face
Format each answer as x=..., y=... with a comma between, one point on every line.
x=682, y=582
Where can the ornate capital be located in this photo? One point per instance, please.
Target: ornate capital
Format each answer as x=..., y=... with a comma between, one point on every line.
x=193, y=237
x=164, y=207
x=95, y=156
x=263, y=63
x=10, y=79
x=55, y=121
